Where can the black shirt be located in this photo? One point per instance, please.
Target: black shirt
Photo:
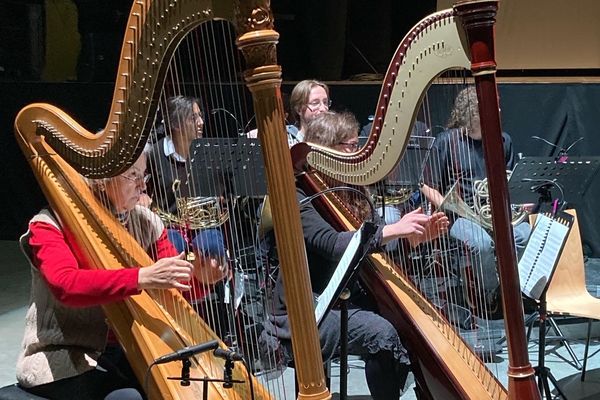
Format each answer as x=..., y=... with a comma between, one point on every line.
x=458, y=158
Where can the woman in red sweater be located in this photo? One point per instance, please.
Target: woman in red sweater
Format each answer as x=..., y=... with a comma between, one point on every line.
x=65, y=353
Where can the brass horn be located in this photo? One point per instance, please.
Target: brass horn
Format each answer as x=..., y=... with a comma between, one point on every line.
x=481, y=213
x=195, y=213
x=455, y=204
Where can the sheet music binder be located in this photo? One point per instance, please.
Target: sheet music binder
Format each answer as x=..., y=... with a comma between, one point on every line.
x=542, y=253
x=347, y=266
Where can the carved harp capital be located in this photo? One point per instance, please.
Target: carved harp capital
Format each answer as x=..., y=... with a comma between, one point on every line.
x=254, y=15
x=257, y=39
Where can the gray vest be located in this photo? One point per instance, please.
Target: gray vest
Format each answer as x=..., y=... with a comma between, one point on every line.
x=60, y=341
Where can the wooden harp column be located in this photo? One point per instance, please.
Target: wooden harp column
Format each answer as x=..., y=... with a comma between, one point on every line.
x=257, y=41
x=479, y=26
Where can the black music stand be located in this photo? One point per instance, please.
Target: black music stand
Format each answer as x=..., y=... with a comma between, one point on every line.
x=532, y=173
x=227, y=166
x=532, y=181
x=536, y=269
x=337, y=292
x=409, y=170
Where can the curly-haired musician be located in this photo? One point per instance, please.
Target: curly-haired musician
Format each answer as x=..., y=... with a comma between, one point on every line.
x=459, y=164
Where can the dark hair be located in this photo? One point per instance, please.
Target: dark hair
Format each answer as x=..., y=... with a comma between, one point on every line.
x=285, y=98
x=179, y=108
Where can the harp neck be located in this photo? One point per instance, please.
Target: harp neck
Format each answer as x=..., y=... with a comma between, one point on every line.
x=154, y=30
x=435, y=45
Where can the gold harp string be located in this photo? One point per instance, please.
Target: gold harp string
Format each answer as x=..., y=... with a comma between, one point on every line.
x=448, y=255
x=218, y=86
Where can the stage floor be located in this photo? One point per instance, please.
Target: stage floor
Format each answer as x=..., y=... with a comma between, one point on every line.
x=14, y=295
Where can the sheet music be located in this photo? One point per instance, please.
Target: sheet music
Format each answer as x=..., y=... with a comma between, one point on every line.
x=541, y=254
x=327, y=297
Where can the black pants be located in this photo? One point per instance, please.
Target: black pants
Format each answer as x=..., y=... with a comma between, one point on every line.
x=375, y=340
x=115, y=381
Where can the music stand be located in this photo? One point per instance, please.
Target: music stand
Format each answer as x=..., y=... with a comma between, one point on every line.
x=227, y=166
x=573, y=177
x=409, y=170
x=532, y=181
x=536, y=268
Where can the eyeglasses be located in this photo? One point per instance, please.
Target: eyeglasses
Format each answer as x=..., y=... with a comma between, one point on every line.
x=137, y=178
x=350, y=145
x=315, y=104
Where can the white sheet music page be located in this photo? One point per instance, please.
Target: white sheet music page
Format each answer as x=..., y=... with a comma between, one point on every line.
x=541, y=255
x=325, y=299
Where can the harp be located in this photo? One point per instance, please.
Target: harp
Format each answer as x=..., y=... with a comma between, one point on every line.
x=444, y=364
x=60, y=150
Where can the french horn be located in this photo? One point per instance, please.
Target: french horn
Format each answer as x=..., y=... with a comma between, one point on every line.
x=481, y=211
x=393, y=196
x=195, y=213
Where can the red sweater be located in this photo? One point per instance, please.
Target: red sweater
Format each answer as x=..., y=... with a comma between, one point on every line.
x=77, y=285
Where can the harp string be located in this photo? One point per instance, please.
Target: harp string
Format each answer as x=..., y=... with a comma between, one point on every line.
x=438, y=274
x=104, y=242
x=215, y=82
x=470, y=267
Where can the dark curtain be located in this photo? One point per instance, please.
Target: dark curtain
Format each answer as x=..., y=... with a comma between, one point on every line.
x=560, y=113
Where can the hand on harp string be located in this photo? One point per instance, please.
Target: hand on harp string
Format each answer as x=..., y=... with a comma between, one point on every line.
x=176, y=272
x=170, y=272
x=417, y=227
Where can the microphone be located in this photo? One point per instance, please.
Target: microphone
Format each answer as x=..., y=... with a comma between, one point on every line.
x=228, y=354
x=230, y=114
x=563, y=154
x=187, y=352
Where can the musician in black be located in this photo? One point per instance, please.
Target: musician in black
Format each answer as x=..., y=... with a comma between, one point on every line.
x=168, y=186
x=458, y=159
x=369, y=335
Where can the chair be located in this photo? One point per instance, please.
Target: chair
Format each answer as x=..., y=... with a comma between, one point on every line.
x=567, y=294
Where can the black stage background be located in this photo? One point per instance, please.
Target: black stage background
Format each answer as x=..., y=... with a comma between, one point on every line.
x=559, y=112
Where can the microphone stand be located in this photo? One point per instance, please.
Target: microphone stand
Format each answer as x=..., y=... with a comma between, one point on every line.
x=228, y=381
x=185, y=372
x=228, y=374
